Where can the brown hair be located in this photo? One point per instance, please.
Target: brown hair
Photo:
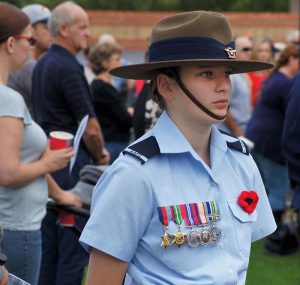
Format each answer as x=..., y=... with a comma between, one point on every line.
x=288, y=51
x=12, y=21
x=100, y=53
x=154, y=93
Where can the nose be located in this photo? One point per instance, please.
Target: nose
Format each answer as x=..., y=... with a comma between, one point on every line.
x=88, y=33
x=223, y=84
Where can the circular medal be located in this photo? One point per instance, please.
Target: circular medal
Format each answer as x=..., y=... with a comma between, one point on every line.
x=193, y=239
x=215, y=234
x=204, y=237
x=179, y=238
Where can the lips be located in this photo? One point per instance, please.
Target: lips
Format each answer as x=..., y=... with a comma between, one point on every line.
x=223, y=103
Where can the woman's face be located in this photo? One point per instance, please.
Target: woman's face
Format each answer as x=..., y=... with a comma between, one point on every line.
x=22, y=48
x=211, y=86
x=115, y=60
x=264, y=52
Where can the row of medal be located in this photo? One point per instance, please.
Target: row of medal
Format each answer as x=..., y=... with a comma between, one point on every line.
x=204, y=215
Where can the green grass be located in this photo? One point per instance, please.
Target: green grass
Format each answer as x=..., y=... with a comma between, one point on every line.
x=270, y=270
x=274, y=270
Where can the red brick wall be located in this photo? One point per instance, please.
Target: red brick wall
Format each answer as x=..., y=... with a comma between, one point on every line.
x=132, y=28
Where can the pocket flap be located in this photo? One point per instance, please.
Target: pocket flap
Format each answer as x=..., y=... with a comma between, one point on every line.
x=240, y=214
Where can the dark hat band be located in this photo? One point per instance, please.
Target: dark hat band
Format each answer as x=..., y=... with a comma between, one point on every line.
x=182, y=48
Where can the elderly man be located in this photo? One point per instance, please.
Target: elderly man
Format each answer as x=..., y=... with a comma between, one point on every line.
x=61, y=98
x=21, y=80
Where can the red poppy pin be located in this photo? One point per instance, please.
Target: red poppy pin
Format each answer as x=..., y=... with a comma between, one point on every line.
x=248, y=201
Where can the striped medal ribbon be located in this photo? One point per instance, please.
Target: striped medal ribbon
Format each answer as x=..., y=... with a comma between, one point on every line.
x=164, y=219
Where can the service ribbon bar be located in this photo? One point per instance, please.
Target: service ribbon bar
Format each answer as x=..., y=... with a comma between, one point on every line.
x=163, y=216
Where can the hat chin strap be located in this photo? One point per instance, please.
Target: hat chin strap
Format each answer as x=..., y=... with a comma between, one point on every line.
x=193, y=98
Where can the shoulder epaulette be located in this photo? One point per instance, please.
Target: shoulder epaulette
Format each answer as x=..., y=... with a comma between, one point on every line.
x=238, y=145
x=143, y=150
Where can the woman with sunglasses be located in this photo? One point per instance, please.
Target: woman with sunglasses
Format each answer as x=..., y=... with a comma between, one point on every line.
x=183, y=204
x=25, y=157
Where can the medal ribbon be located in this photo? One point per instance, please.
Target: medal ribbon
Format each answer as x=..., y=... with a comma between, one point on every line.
x=195, y=213
x=177, y=215
x=202, y=214
x=188, y=220
x=172, y=213
x=208, y=208
x=184, y=214
x=163, y=216
x=215, y=211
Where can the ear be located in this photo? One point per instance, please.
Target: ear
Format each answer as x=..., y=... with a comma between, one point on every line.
x=165, y=86
x=64, y=30
x=9, y=45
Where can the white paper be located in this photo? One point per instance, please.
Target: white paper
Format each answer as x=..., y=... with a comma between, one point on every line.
x=14, y=280
x=77, y=139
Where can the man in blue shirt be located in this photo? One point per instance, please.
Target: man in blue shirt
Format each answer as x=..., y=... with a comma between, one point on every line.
x=61, y=98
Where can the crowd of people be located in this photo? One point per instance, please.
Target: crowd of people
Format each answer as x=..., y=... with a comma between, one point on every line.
x=165, y=127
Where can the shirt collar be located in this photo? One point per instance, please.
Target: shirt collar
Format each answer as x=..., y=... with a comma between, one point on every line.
x=63, y=52
x=171, y=140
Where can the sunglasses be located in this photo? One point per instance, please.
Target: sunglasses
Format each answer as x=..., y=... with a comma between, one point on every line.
x=246, y=49
x=30, y=39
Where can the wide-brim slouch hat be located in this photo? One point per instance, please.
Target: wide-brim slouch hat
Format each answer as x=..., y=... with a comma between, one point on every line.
x=197, y=37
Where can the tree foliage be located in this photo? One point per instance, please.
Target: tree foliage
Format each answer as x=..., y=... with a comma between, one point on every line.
x=172, y=5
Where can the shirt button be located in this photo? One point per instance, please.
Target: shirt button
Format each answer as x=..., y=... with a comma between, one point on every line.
x=221, y=245
x=230, y=271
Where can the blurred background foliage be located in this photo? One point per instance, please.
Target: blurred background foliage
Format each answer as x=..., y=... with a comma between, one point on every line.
x=172, y=5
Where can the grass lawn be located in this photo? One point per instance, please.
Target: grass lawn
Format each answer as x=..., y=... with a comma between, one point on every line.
x=273, y=270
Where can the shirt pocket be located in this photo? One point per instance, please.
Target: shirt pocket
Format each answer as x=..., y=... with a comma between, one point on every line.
x=242, y=222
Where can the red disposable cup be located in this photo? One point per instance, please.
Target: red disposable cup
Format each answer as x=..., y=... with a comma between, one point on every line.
x=60, y=140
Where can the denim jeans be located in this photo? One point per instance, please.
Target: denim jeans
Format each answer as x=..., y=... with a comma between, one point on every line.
x=276, y=180
x=63, y=258
x=23, y=250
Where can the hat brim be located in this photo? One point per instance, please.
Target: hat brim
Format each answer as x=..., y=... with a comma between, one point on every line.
x=145, y=70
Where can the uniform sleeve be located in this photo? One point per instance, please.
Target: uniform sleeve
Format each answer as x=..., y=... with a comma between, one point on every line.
x=12, y=105
x=121, y=211
x=265, y=223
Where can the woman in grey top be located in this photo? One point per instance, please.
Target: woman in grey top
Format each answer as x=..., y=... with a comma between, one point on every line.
x=25, y=157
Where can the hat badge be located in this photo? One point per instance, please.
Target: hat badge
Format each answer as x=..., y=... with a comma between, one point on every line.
x=230, y=52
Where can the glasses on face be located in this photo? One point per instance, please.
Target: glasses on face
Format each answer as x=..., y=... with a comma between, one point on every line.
x=246, y=49
x=30, y=39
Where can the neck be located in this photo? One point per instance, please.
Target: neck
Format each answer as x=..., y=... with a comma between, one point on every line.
x=105, y=76
x=197, y=134
x=4, y=70
x=286, y=71
x=65, y=44
x=37, y=54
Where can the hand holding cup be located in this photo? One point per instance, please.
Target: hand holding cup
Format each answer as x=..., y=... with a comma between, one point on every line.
x=58, y=152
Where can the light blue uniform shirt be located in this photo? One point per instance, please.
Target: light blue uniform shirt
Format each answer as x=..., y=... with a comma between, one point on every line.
x=124, y=219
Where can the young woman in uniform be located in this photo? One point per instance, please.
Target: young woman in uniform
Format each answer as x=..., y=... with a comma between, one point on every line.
x=184, y=202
